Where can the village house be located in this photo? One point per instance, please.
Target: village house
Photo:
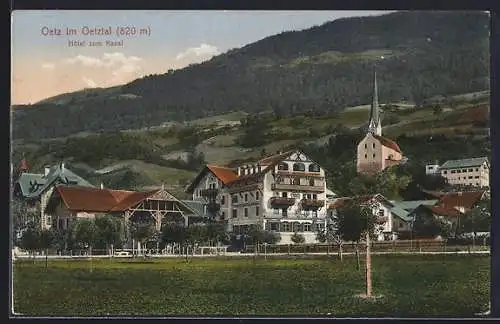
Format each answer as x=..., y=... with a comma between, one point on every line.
x=467, y=172
x=376, y=152
x=285, y=193
x=451, y=206
x=35, y=189
x=68, y=203
x=392, y=221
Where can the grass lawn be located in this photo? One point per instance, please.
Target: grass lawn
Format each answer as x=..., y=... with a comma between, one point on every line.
x=412, y=286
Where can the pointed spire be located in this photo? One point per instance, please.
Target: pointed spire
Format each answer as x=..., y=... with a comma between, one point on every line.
x=374, y=125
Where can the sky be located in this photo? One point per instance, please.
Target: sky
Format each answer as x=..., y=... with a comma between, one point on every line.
x=45, y=64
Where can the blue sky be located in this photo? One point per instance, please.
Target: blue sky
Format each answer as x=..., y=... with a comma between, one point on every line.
x=44, y=66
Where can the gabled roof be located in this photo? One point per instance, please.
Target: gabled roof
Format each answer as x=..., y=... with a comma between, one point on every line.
x=393, y=208
x=410, y=205
x=272, y=160
x=439, y=210
x=85, y=199
x=388, y=143
x=197, y=206
x=33, y=185
x=464, y=163
x=462, y=199
x=224, y=174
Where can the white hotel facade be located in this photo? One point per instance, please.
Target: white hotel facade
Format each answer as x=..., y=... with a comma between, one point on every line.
x=285, y=193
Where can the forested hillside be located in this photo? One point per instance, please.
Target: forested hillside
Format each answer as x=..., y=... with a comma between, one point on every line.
x=318, y=71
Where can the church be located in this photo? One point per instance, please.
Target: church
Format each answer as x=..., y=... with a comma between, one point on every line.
x=375, y=152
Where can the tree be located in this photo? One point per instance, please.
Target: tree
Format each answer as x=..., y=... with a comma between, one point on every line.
x=30, y=239
x=478, y=219
x=46, y=241
x=85, y=235
x=22, y=216
x=331, y=234
x=426, y=224
x=141, y=232
x=108, y=231
x=353, y=221
x=298, y=238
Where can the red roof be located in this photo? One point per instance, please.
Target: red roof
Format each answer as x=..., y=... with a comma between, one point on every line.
x=226, y=175
x=100, y=200
x=445, y=211
x=388, y=143
x=465, y=199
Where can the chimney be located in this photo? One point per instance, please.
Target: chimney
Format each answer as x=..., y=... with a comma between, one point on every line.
x=162, y=186
x=47, y=170
x=102, y=185
x=62, y=166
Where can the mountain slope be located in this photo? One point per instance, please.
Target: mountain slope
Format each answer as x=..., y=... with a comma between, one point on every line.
x=320, y=70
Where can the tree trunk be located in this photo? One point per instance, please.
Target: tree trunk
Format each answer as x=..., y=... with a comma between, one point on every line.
x=90, y=254
x=474, y=240
x=368, y=267
x=357, y=257
x=46, y=258
x=341, y=251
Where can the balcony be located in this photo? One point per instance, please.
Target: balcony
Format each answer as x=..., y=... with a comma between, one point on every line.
x=281, y=201
x=210, y=194
x=380, y=220
x=294, y=187
x=312, y=203
x=300, y=173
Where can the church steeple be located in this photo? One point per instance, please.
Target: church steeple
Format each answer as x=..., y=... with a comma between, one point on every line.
x=374, y=125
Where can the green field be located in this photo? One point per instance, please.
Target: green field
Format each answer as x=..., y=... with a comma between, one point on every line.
x=411, y=286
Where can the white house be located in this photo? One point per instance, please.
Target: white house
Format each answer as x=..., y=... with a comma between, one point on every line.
x=467, y=172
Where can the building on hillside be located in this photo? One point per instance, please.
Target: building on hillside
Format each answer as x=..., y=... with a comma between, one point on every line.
x=375, y=152
x=467, y=172
x=392, y=220
x=67, y=203
x=35, y=189
x=432, y=169
x=285, y=193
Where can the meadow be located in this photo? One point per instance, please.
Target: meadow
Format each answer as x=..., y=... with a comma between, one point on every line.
x=411, y=286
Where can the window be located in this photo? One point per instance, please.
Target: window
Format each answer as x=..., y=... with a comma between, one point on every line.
x=246, y=197
x=223, y=200
x=285, y=227
x=315, y=196
x=284, y=194
x=234, y=199
x=381, y=212
x=257, y=210
x=235, y=213
x=284, y=212
x=276, y=211
x=236, y=229
x=366, y=156
x=246, y=212
x=307, y=227
x=299, y=167
x=275, y=226
x=453, y=171
x=373, y=155
x=297, y=227
x=67, y=222
x=373, y=145
x=223, y=215
x=464, y=170
x=476, y=177
x=257, y=195
x=311, y=182
x=477, y=169
x=283, y=166
x=307, y=196
x=458, y=178
x=313, y=167
x=401, y=225
x=445, y=172
x=296, y=181
x=470, y=177
x=366, y=146
x=477, y=184
x=471, y=170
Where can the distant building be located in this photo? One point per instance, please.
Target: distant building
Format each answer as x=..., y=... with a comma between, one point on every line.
x=375, y=152
x=392, y=220
x=35, y=189
x=432, y=169
x=285, y=193
x=467, y=172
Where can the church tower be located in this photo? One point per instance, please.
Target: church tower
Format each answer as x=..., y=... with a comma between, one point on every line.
x=374, y=125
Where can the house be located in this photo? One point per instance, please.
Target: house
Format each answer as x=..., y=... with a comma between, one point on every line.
x=467, y=172
x=35, y=189
x=410, y=205
x=376, y=152
x=450, y=206
x=69, y=202
x=392, y=220
x=432, y=169
x=285, y=193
